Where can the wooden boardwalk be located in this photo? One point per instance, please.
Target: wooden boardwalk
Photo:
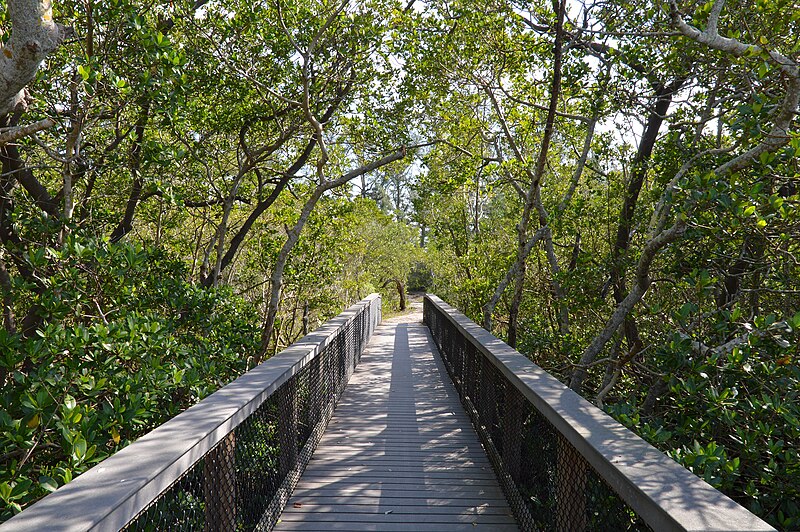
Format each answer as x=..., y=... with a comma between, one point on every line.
x=399, y=453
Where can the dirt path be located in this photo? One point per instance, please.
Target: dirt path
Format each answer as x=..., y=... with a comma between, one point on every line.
x=412, y=314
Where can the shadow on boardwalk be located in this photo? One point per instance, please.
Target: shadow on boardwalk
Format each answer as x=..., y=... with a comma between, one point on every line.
x=399, y=453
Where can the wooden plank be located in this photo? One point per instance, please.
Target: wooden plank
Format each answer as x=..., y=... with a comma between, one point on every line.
x=399, y=453
x=411, y=440
x=397, y=476
x=448, y=435
x=392, y=527
x=423, y=503
x=391, y=446
x=352, y=435
x=370, y=508
x=324, y=481
x=397, y=468
x=410, y=476
x=405, y=492
x=424, y=458
x=390, y=517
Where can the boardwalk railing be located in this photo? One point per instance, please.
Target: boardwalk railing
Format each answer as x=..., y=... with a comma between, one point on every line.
x=231, y=461
x=563, y=463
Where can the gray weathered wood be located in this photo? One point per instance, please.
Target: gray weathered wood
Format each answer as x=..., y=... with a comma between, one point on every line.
x=399, y=453
x=666, y=495
x=113, y=492
x=397, y=527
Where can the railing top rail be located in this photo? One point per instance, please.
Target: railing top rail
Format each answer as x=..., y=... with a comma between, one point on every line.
x=665, y=494
x=113, y=492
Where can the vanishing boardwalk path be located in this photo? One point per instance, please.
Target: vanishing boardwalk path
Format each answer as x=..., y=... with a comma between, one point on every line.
x=399, y=453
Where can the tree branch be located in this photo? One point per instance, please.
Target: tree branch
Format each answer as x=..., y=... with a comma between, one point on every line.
x=15, y=133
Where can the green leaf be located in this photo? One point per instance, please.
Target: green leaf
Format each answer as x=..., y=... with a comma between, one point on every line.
x=79, y=448
x=20, y=489
x=69, y=403
x=48, y=483
x=84, y=72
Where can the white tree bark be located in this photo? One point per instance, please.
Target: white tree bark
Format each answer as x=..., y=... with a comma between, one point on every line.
x=778, y=136
x=34, y=36
x=13, y=134
x=651, y=249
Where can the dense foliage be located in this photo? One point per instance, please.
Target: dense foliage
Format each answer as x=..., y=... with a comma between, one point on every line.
x=124, y=344
x=612, y=187
x=618, y=199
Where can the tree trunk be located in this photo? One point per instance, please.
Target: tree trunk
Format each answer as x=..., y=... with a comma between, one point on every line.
x=222, y=230
x=516, y=301
x=126, y=224
x=401, y=293
x=9, y=322
x=533, y=197
x=511, y=273
x=640, y=166
x=753, y=248
x=653, y=246
x=293, y=235
x=276, y=279
x=260, y=208
x=623, y=236
x=34, y=36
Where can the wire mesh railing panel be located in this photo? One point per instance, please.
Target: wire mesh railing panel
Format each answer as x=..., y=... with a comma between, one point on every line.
x=547, y=482
x=231, y=487
x=562, y=463
x=239, y=469
x=244, y=482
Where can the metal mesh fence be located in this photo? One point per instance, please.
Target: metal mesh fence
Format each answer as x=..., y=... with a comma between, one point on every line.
x=244, y=482
x=548, y=483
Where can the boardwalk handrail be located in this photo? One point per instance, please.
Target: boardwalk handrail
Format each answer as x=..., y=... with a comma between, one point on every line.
x=564, y=464
x=229, y=462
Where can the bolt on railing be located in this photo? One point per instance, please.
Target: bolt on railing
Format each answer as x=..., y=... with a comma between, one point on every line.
x=563, y=463
x=231, y=461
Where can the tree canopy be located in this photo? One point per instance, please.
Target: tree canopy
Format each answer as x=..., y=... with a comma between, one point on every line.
x=611, y=187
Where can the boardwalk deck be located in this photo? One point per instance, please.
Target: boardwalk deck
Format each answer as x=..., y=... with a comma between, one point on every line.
x=399, y=453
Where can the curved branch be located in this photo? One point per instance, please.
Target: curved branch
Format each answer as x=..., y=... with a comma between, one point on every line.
x=15, y=133
x=653, y=246
x=779, y=134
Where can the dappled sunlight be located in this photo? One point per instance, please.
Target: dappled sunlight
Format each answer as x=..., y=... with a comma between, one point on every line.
x=399, y=448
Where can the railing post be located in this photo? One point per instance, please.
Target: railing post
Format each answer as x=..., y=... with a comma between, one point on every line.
x=570, y=487
x=513, y=421
x=487, y=402
x=353, y=341
x=287, y=427
x=316, y=383
x=472, y=373
x=341, y=364
x=219, y=486
x=456, y=344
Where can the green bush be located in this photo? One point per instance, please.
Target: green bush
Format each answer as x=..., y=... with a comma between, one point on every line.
x=732, y=416
x=124, y=343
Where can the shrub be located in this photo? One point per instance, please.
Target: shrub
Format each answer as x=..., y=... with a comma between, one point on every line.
x=123, y=344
